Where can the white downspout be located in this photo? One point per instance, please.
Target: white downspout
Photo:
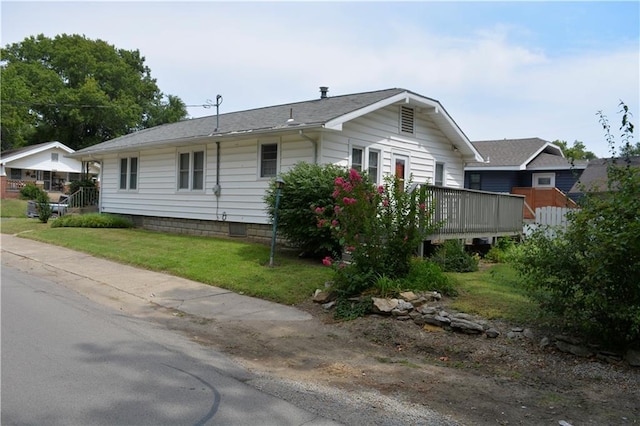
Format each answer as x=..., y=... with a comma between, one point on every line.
x=315, y=146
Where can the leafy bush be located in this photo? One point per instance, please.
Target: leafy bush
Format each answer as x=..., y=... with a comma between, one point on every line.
x=428, y=276
x=589, y=273
x=452, y=257
x=43, y=207
x=306, y=187
x=92, y=220
x=31, y=192
x=380, y=227
x=500, y=252
x=75, y=185
x=347, y=309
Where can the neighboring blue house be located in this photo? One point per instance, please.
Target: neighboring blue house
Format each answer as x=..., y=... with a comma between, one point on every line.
x=531, y=167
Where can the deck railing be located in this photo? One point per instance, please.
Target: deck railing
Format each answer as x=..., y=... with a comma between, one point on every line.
x=466, y=213
x=84, y=197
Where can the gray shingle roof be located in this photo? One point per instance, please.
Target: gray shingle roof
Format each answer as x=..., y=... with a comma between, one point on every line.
x=594, y=178
x=506, y=152
x=305, y=114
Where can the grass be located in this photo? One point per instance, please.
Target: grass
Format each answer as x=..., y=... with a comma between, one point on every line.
x=494, y=293
x=13, y=208
x=240, y=266
x=235, y=265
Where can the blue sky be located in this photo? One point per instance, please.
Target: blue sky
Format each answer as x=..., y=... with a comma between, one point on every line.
x=501, y=69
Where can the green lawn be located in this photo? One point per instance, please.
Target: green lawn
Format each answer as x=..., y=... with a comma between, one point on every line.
x=241, y=266
x=13, y=208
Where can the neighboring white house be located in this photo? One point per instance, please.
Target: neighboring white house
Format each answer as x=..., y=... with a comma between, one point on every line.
x=45, y=165
x=209, y=175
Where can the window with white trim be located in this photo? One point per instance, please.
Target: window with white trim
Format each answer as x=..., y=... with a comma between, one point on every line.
x=544, y=180
x=54, y=157
x=357, y=155
x=268, y=160
x=475, y=181
x=439, y=175
x=407, y=120
x=191, y=170
x=16, y=174
x=373, y=168
x=128, y=173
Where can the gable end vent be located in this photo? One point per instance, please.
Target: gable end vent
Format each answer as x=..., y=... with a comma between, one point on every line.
x=407, y=117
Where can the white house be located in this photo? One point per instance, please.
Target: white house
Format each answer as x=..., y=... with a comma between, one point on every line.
x=208, y=175
x=45, y=165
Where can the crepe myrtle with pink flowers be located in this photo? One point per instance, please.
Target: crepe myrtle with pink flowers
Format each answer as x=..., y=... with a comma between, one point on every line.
x=379, y=227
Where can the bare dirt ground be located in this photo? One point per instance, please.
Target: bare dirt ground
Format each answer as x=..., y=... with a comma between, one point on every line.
x=470, y=378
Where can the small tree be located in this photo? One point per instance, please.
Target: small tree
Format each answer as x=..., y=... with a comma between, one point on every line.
x=589, y=273
x=380, y=227
x=43, y=207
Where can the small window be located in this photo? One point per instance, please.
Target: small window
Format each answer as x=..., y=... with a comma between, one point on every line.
x=407, y=118
x=401, y=168
x=16, y=174
x=54, y=157
x=356, y=158
x=374, y=165
x=268, y=160
x=191, y=171
x=439, y=178
x=474, y=181
x=544, y=180
x=129, y=173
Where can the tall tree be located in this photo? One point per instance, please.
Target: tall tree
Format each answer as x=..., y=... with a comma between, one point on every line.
x=576, y=152
x=77, y=91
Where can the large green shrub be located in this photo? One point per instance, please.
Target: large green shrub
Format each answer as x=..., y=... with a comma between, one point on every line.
x=425, y=275
x=590, y=273
x=43, y=207
x=306, y=187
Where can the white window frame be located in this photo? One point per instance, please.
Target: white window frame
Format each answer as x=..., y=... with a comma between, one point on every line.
x=407, y=165
x=129, y=175
x=376, y=177
x=362, y=157
x=536, y=176
x=443, y=182
x=261, y=174
x=191, y=171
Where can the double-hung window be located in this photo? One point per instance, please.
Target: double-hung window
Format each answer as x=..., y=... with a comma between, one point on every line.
x=268, y=160
x=191, y=171
x=128, y=173
x=373, y=168
x=357, y=155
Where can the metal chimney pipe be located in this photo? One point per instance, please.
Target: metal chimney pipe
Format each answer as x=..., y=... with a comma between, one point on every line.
x=323, y=92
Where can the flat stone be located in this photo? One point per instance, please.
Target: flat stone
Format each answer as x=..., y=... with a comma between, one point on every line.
x=492, y=333
x=576, y=350
x=408, y=296
x=384, y=306
x=466, y=326
x=633, y=357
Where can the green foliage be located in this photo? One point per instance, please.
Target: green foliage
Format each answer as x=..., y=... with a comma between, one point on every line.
x=306, y=187
x=75, y=185
x=386, y=287
x=43, y=207
x=589, y=273
x=501, y=251
x=31, y=192
x=350, y=309
x=425, y=275
x=452, y=257
x=13, y=208
x=379, y=227
x=92, y=220
x=77, y=91
x=576, y=152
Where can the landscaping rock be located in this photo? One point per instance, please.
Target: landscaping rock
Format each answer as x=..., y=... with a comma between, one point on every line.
x=466, y=326
x=633, y=357
x=323, y=296
x=408, y=296
x=384, y=306
x=576, y=350
x=492, y=333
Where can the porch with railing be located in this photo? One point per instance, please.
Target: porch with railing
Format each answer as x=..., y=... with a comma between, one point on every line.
x=467, y=213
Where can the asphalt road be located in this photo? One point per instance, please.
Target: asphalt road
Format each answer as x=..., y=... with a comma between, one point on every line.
x=69, y=361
